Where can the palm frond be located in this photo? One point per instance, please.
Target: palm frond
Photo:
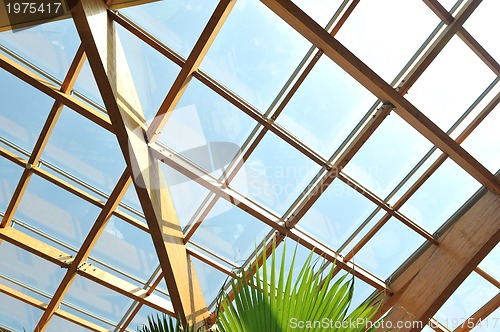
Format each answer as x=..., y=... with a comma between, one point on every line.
x=274, y=301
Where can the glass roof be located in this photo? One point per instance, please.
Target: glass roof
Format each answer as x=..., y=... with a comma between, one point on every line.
x=265, y=116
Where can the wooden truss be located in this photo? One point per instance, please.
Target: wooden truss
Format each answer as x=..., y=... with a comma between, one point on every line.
x=421, y=288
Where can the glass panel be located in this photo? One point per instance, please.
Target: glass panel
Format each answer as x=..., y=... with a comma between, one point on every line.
x=177, y=23
x=85, y=150
x=387, y=157
x=363, y=231
x=320, y=10
x=230, y=232
x=131, y=199
x=326, y=107
x=97, y=300
x=141, y=318
x=490, y=324
x=41, y=208
x=50, y=46
x=152, y=73
x=21, y=288
x=29, y=269
x=448, y=4
x=9, y=178
x=186, y=194
x=443, y=92
x=101, y=321
x=86, y=85
x=275, y=174
x=440, y=196
x=59, y=324
x=210, y=279
x=491, y=263
x=255, y=53
x=406, y=26
x=471, y=295
x=416, y=175
x=17, y=315
x=389, y=248
x=337, y=214
x=481, y=143
x=486, y=34
x=21, y=118
x=126, y=248
x=206, y=128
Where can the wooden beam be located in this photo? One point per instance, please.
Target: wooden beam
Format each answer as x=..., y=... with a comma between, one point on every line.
x=477, y=48
x=109, y=66
x=205, y=179
x=85, y=249
x=58, y=312
x=44, y=174
x=308, y=28
x=53, y=91
x=64, y=260
x=480, y=316
x=425, y=175
x=462, y=246
x=191, y=65
x=43, y=138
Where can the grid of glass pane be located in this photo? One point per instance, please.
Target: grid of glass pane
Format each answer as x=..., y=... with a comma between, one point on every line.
x=252, y=59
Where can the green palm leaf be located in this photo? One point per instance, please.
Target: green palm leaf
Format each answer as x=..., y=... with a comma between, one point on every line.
x=274, y=301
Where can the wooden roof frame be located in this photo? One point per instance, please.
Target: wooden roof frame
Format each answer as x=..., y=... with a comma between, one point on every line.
x=126, y=120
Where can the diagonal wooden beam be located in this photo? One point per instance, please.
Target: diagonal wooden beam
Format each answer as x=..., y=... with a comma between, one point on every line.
x=308, y=28
x=425, y=175
x=239, y=200
x=58, y=312
x=191, y=65
x=43, y=138
x=109, y=66
x=479, y=317
x=85, y=249
x=53, y=91
x=436, y=274
x=88, y=271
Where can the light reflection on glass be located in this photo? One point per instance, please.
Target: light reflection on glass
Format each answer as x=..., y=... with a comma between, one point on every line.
x=336, y=214
x=326, y=107
x=410, y=23
x=440, y=196
x=85, y=150
x=50, y=46
x=41, y=208
x=388, y=249
x=451, y=84
x=177, y=23
x=21, y=119
x=230, y=232
x=275, y=174
x=255, y=53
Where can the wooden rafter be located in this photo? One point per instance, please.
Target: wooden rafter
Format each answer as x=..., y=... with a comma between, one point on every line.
x=205, y=179
x=480, y=316
x=58, y=312
x=191, y=65
x=43, y=138
x=426, y=175
x=85, y=249
x=86, y=270
x=307, y=27
x=109, y=66
x=428, y=282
